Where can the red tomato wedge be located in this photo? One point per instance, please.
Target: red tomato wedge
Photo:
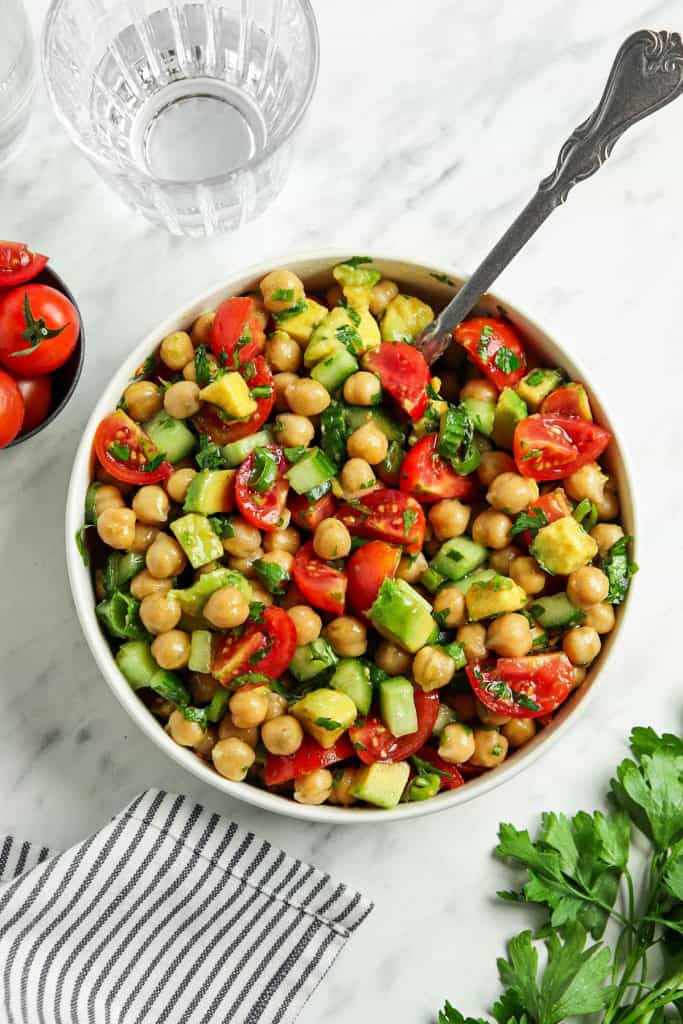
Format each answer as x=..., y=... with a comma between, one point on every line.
x=39, y=328
x=262, y=509
x=523, y=687
x=372, y=741
x=403, y=374
x=387, y=515
x=321, y=584
x=367, y=568
x=124, y=449
x=209, y=421
x=18, y=264
x=551, y=447
x=553, y=505
x=308, y=758
x=265, y=647
x=496, y=348
x=307, y=515
x=570, y=400
x=37, y=395
x=236, y=337
x=11, y=409
x=451, y=777
x=428, y=477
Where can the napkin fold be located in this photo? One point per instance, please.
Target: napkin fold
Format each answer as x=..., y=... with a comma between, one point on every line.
x=170, y=913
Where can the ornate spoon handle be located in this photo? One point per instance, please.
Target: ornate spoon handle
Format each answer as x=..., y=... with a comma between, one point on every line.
x=647, y=74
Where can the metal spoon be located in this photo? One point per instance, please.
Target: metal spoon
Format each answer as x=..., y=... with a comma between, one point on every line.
x=647, y=74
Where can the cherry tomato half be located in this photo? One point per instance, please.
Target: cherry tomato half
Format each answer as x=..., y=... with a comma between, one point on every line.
x=403, y=374
x=450, y=776
x=209, y=421
x=236, y=336
x=496, y=348
x=553, y=505
x=308, y=758
x=523, y=687
x=262, y=509
x=372, y=741
x=124, y=450
x=11, y=409
x=321, y=584
x=37, y=395
x=387, y=515
x=18, y=264
x=39, y=328
x=428, y=477
x=266, y=647
x=570, y=400
x=367, y=568
x=551, y=447
x=308, y=515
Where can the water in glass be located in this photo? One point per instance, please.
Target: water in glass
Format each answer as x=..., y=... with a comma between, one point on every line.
x=17, y=67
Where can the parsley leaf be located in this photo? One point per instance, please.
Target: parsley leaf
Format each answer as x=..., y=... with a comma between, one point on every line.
x=81, y=545
x=350, y=339
x=120, y=452
x=295, y=310
x=531, y=521
x=221, y=525
x=202, y=366
x=272, y=575
x=356, y=261
x=506, y=360
x=210, y=455
x=328, y=723
x=443, y=278
x=282, y=295
x=409, y=520
x=619, y=569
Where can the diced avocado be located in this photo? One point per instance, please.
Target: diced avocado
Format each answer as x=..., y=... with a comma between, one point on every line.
x=556, y=612
x=482, y=413
x=510, y=410
x=197, y=539
x=171, y=436
x=136, y=663
x=479, y=576
x=353, y=678
x=445, y=716
x=237, y=451
x=301, y=325
x=360, y=276
x=193, y=599
x=311, y=659
x=397, y=706
x=325, y=340
x=332, y=371
x=210, y=492
x=381, y=783
x=563, y=546
x=368, y=328
x=231, y=394
x=357, y=415
x=404, y=318
x=400, y=614
x=537, y=385
x=458, y=557
x=200, y=651
x=494, y=596
x=313, y=469
x=325, y=715
x=90, y=496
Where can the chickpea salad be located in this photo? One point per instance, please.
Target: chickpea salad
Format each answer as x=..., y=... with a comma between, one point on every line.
x=334, y=573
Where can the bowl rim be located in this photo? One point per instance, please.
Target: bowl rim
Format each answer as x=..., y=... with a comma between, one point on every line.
x=82, y=592
x=173, y=184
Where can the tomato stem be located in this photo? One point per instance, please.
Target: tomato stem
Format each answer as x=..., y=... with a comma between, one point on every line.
x=36, y=331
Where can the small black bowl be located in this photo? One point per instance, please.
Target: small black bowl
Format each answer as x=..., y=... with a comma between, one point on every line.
x=65, y=379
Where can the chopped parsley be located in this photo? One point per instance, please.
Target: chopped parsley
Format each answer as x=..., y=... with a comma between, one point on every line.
x=146, y=369
x=202, y=366
x=272, y=575
x=261, y=392
x=619, y=569
x=221, y=525
x=443, y=278
x=251, y=679
x=329, y=724
x=256, y=610
x=353, y=315
x=427, y=768
x=531, y=521
x=282, y=295
x=534, y=378
x=120, y=452
x=506, y=360
x=81, y=545
x=484, y=339
x=258, y=656
x=286, y=314
x=294, y=454
x=198, y=715
x=210, y=455
x=533, y=453
x=409, y=520
x=356, y=261
x=349, y=338
x=152, y=464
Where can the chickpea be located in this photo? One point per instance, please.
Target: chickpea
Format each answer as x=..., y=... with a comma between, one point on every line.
x=608, y=506
x=381, y=295
x=308, y=623
x=509, y=635
x=581, y=645
x=503, y=559
x=526, y=572
x=287, y=284
x=260, y=594
x=282, y=540
x=490, y=748
x=201, y=328
x=228, y=730
x=291, y=430
x=600, y=617
x=331, y=539
x=116, y=527
x=579, y=677
x=277, y=705
x=587, y=482
x=347, y=635
x=142, y=400
x=449, y=518
x=281, y=382
x=283, y=353
x=226, y=608
x=456, y=744
x=464, y=705
x=190, y=371
x=492, y=529
x=145, y=584
x=232, y=758
x=165, y=557
x=357, y=478
x=160, y=612
x=511, y=493
x=144, y=538
x=207, y=743
x=151, y=505
x=246, y=565
x=259, y=314
x=392, y=659
x=245, y=539
x=472, y=636
x=449, y=386
x=488, y=717
x=362, y=388
x=492, y=464
x=369, y=443
x=178, y=483
x=432, y=668
x=306, y=397
x=480, y=389
x=182, y=399
x=605, y=536
x=282, y=735
x=185, y=733
x=411, y=567
x=249, y=707
x=203, y=687
x=107, y=497
x=313, y=788
x=171, y=650
x=587, y=586
x=450, y=604
x=176, y=350
x=334, y=296
x=519, y=731
x=342, y=784
x=285, y=559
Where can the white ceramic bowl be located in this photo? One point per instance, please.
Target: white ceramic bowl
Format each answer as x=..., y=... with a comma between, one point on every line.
x=315, y=271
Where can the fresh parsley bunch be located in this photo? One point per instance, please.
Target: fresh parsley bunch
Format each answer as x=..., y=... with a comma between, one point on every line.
x=578, y=871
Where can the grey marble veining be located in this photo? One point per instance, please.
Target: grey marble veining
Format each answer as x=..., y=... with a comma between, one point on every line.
x=430, y=127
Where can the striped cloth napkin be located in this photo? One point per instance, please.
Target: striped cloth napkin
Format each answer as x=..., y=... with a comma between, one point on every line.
x=169, y=913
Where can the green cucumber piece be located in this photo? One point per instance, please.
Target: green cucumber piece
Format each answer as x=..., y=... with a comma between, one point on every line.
x=353, y=678
x=170, y=686
x=237, y=451
x=458, y=557
x=310, y=660
x=357, y=415
x=478, y=576
x=218, y=705
x=556, y=612
x=120, y=616
x=119, y=570
x=397, y=706
x=403, y=615
x=431, y=580
x=481, y=413
x=333, y=371
x=90, y=495
x=200, y=651
x=171, y=436
x=197, y=539
x=136, y=662
x=310, y=471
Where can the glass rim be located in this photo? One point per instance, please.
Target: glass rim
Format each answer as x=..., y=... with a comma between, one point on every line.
x=174, y=183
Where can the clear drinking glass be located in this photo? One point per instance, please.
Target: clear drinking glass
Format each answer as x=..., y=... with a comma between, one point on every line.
x=17, y=76
x=188, y=110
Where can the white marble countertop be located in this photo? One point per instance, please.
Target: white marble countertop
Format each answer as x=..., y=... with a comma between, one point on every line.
x=427, y=133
